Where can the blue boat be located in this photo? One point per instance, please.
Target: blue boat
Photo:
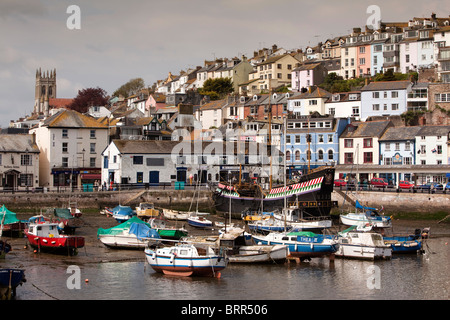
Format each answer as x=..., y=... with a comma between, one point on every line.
x=10, y=279
x=4, y=248
x=122, y=213
x=303, y=245
x=406, y=244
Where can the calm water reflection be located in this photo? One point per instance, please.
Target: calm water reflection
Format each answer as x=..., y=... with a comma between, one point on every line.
x=403, y=277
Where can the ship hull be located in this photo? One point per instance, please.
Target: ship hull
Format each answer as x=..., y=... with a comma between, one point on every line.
x=313, y=196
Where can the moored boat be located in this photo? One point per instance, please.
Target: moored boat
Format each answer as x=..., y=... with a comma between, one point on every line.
x=368, y=216
x=362, y=245
x=186, y=260
x=10, y=279
x=303, y=245
x=175, y=215
x=268, y=224
x=131, y=234
x=242, y=249
x=199, y=221
x=406, y=244
x=4, y=248
x=122, y=213
x=165, y=231
x=46, y=237
x=9, y=222
x=146, y=210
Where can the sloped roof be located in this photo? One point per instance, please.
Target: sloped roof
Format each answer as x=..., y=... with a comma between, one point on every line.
x=214, y=105
x=17, y=143
x=366, y=129
x=72, y=119
x=59, y=102
x=387, y=85
x=434, y=131
x=400, y=133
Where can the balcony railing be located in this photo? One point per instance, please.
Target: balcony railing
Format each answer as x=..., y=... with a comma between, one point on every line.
x=414, y=95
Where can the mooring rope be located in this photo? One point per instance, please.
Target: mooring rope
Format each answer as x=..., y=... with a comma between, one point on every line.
x=44, y=292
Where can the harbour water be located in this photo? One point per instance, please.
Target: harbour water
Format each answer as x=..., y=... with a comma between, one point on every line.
x=109, y=274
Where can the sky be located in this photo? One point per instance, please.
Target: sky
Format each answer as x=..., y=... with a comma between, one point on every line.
x=115, y=41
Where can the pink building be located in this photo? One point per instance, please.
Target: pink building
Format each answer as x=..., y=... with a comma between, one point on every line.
x=363, y=61
x=307, y=75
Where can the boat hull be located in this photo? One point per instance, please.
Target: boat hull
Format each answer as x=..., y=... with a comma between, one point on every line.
x=357, y=219
x=10, y=279
x=122, y=242
x=260, y=254
x=403, y=244
x=186, y=266
x=199, y=223
x=363, y=252
x=62, y=244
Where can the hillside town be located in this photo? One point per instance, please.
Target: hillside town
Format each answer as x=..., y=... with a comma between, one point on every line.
x=388, y=118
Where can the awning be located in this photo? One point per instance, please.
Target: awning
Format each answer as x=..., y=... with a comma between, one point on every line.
x=92, y=176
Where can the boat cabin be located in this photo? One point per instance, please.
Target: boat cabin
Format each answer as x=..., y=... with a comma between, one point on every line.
x=365, y=238
x=47, y=230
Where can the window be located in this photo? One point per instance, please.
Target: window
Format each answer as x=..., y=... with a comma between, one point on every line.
x=439, y=149
x=368, y=143
x=330, y=138
x=355, y=111
x=407, y=160
x=92, y=134
x=407, y=146
x=297, y=139
x=64, y=147
x=362, y=49
x=320, y=155
x=362, y=61
x=26, y=180
x=368, y=157
x=138, y=160
x=394, y=106
x=330, y=155
x=442, y=97
x=288, y=155
x=320, y=138
x=397, y=146
x=65, y=133
x=407, y=58
x=279, y=66
x=65, y=162
x=348, y=158
x=376, y=107
x=348, y=143
x=312, y=102
x=92, y=162
x=139, y=177
x=375, y=95
x=423, y=149
x=297, y=155
x=288, y=139
x=25, y=160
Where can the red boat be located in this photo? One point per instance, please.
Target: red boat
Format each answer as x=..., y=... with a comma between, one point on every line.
x=46, y=237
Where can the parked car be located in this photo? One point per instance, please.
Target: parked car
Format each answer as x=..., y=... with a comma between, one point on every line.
x=431, y=185
x=379, y=182
x=405, y=184
x=340, y=182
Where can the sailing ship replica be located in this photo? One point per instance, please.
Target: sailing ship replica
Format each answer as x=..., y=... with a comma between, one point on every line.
x=311, y=193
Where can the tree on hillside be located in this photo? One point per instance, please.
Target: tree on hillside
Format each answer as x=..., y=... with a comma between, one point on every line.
x=87, y=98
x=130, y=88
x=217, y=88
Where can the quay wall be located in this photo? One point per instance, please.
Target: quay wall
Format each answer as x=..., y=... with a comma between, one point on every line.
x=183, y=199
x=397, y=202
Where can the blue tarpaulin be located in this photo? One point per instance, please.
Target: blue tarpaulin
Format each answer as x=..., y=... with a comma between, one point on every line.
x=142, y=231
x=359, y=206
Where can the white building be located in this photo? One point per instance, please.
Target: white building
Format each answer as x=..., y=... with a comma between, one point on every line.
x=70, y=145
x=344, y=105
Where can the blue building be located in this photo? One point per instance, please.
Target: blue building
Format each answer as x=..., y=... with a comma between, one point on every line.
x=323, y=145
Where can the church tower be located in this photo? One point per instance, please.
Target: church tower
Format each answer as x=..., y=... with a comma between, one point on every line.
x=45, y=90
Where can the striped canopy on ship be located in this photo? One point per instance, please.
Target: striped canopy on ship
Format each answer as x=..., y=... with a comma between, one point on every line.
x=227, y=190
x=297, y=188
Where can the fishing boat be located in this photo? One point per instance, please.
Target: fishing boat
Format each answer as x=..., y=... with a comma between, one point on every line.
x=268, y=224
x=242, y=249
x=304, y=245
x=146, y=210
x=405, y=244
x=199, y=221
x=46, y=237
x=9, y=222
x=131, y=234
x=186, y=260
x=166, y=232
x=74, y=210
x=175, y=214
x=367, y=216
x=10, y=279
x=67, y=222
x=121, y=213
x=367, y=245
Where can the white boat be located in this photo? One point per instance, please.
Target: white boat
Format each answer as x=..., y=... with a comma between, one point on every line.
x=132, y=234
x=371, y=218
x=268, y=224
x=186, y=260
x=242, y=249
x=199, y=222
x=293, y=217
x=175, y=214
x=304, y=245
x=362, y=245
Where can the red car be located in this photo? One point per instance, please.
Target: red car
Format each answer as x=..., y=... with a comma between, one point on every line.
x=379, y=182
x=339, y=182
x=404, y=184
